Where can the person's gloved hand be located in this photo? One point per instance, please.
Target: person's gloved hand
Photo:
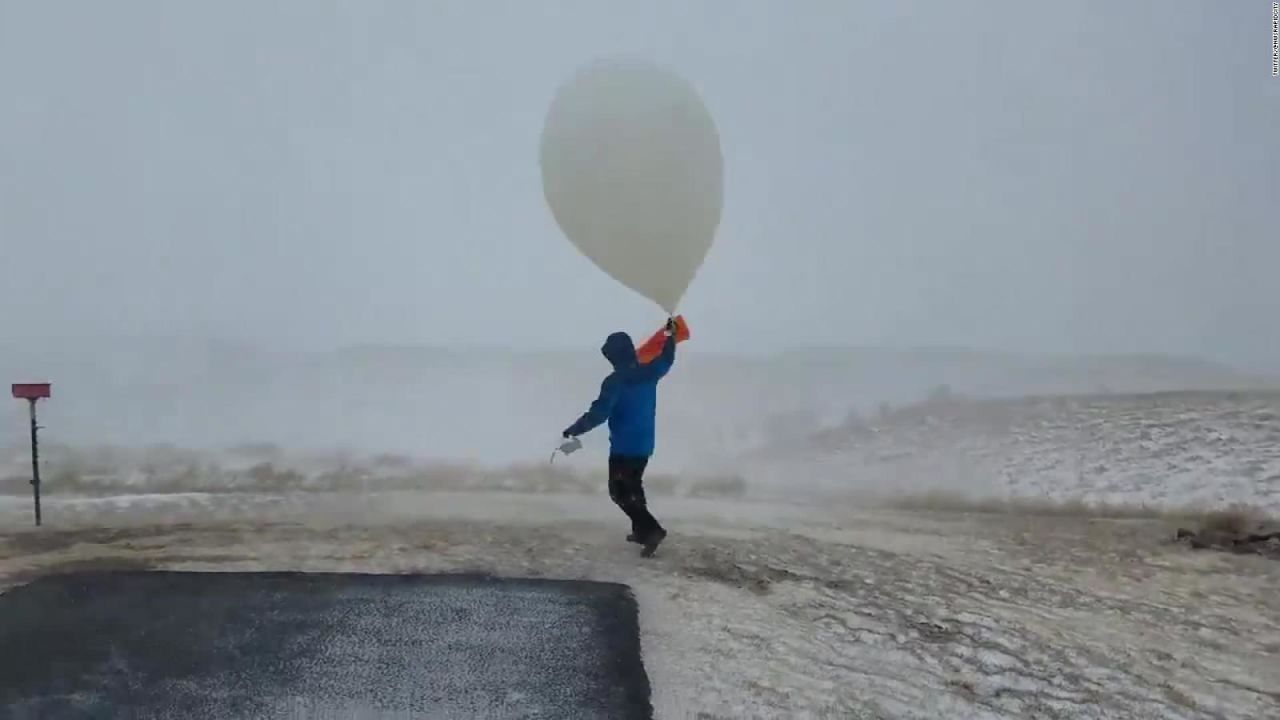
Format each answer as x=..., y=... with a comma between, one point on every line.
x=670, y=329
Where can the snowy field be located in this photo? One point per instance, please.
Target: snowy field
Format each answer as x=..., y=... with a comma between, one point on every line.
x=787, y=588
x=1205, y=449
x=766, y=610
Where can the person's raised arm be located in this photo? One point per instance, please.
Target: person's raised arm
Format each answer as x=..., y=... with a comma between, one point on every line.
x=657, y=368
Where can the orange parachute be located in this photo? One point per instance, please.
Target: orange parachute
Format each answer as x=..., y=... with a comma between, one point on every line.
x=652, y=347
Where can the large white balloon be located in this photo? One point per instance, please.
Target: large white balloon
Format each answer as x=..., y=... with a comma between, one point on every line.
x=633, y=172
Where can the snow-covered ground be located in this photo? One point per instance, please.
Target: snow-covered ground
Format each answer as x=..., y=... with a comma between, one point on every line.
x=1165, y=449
x=772, y=610
x=784, y=590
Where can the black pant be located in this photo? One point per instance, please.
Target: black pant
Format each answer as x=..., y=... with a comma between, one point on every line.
x=626, y=488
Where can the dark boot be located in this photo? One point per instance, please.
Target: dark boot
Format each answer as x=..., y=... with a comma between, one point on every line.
x=652, y=542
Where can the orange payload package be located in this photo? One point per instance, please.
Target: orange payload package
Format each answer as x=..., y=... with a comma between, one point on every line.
x=652, y=347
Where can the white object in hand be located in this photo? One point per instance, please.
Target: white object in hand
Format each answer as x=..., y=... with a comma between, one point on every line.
x=568, y=447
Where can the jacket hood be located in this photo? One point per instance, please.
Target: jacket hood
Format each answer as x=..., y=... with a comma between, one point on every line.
x=619, y=350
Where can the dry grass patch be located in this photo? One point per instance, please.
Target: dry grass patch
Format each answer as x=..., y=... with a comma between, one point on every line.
x=1235, y=520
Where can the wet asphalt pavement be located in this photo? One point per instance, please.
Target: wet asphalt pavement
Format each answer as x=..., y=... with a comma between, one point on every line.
x=288, y=645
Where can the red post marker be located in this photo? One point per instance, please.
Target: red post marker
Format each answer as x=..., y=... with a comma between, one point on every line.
x=31, y=392
x=652, y=347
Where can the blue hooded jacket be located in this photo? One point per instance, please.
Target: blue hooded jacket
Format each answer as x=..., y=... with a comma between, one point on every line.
x=628, y=397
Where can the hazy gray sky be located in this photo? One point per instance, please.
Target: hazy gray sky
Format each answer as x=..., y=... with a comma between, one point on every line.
x=1095, y=176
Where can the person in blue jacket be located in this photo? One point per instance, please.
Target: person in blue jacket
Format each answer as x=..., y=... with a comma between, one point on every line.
x=628, y=401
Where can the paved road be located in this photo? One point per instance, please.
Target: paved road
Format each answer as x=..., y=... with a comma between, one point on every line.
x=231, y=645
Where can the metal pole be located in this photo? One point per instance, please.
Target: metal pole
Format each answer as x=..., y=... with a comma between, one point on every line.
x=35, y=460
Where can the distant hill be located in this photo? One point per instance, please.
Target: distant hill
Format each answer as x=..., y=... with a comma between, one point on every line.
x=499, y=406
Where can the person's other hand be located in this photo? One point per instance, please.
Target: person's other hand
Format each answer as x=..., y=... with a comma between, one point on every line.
x=670, y=329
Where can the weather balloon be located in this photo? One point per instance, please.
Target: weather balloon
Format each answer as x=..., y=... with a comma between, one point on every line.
x=633, y=172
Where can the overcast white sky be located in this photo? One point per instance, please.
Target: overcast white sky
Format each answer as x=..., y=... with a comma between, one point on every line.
x=1092, y=176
